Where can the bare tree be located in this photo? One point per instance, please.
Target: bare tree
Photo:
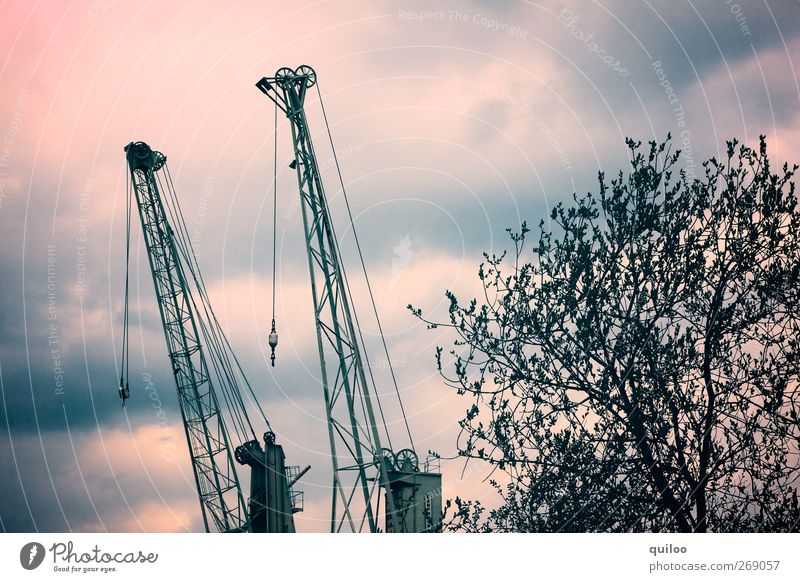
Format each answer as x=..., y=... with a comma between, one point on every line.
x=636, y=368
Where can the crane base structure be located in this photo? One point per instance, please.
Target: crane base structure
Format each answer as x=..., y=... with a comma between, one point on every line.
x=272, y=502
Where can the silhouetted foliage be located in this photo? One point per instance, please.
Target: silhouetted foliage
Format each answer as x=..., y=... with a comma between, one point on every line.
x=636, y=368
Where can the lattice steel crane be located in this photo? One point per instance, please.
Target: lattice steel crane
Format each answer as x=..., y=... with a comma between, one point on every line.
x=362, y=465
x=205, y=369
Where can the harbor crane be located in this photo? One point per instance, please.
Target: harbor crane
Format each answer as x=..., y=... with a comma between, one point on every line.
x=362, y=465
x=205, y=369
x=375, y=487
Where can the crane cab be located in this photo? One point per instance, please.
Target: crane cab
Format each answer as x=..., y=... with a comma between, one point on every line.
x=417, y=493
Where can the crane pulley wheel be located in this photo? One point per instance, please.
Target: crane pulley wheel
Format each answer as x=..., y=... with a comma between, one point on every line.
x=284, y=75
x=309, y=73
x=406, y=460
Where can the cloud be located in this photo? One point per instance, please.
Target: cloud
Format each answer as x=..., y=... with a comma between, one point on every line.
x=109, y=480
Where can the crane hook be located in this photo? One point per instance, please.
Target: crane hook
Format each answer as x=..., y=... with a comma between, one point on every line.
x=124, y=391
x=273, y=342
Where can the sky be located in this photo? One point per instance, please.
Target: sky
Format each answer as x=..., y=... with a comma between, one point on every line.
x=452, y=122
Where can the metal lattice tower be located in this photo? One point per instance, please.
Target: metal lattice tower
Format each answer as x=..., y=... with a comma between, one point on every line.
x=221, y=500
x=360, y=467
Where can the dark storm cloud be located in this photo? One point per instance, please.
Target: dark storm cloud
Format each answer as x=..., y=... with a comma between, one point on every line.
x=64, y=481
x=691, y=39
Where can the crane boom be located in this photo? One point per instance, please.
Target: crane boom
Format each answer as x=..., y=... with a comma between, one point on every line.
x=218, y=488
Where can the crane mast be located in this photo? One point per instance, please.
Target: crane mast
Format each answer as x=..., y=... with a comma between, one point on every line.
x=224, y=509
x=362, y=467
